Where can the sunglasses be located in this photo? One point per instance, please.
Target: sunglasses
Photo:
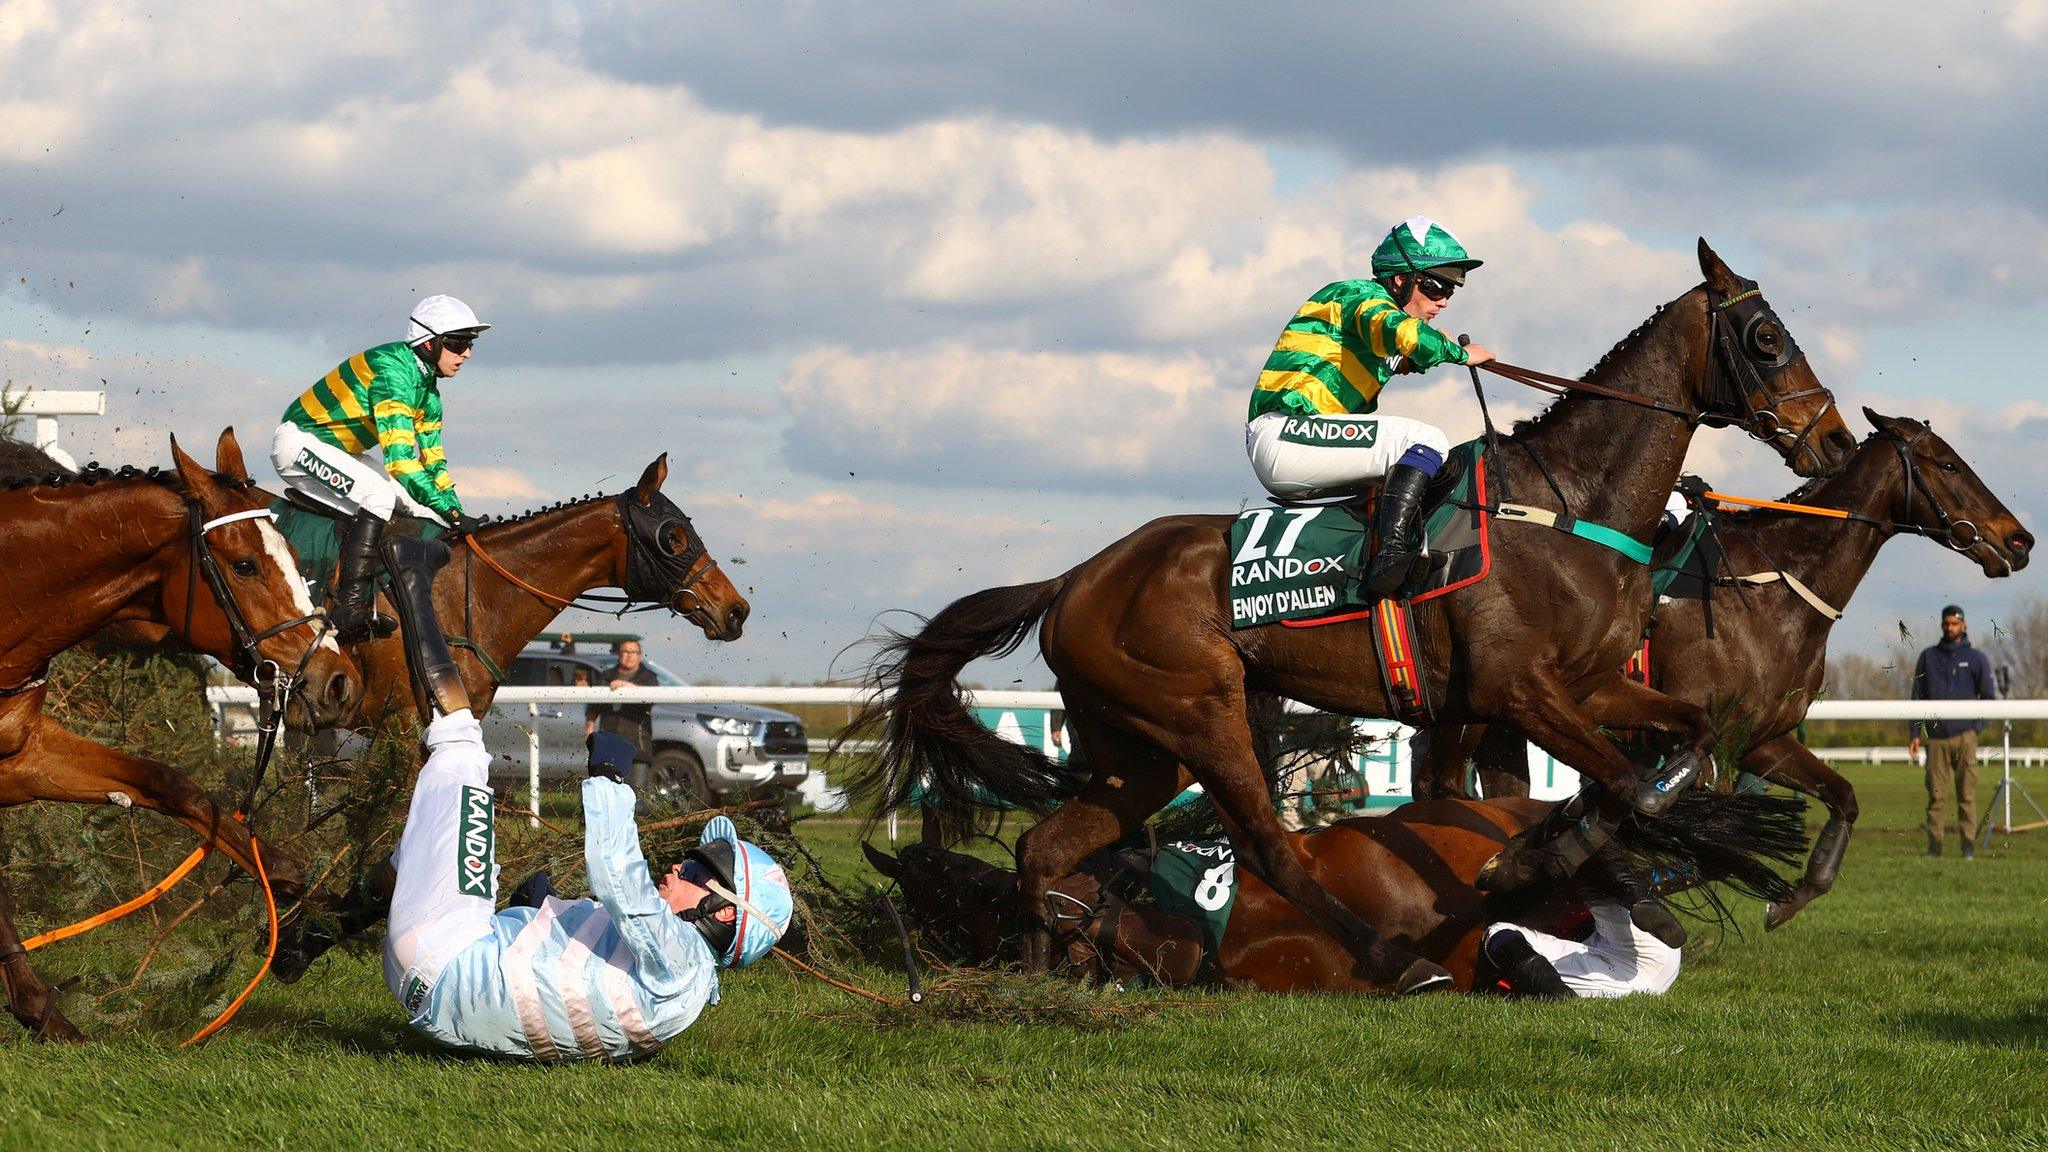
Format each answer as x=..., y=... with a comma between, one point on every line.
x=1434, y=287
x=457, y=343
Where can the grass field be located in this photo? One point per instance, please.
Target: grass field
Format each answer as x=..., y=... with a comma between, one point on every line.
x=1906, y=1010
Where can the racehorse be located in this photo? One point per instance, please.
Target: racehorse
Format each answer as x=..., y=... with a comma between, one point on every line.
x=511, y=577
x=189, y=552
x=1408, y=873
x=1154, y=677
x=1767, y=651
x=517, y=575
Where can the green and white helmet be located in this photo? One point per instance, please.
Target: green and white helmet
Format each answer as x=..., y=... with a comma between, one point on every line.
x=1419, y=244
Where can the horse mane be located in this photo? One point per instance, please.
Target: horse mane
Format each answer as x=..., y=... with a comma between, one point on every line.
x=1621, y=347
x=24, y=465
x=558, y=506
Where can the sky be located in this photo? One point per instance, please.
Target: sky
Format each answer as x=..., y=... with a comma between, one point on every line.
x=923, y=299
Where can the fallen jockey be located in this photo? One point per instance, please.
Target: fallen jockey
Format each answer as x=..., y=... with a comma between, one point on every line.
x=1189, y=914
x=610, y=978
x=1313, y=429
x=1615, y=958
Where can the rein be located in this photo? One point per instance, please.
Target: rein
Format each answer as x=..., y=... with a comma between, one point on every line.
x=654, y=575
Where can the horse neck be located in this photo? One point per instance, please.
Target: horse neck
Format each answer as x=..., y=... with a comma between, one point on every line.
x=1827, y=555
x=564, y=553
x=94, y=566
x=1616, y=462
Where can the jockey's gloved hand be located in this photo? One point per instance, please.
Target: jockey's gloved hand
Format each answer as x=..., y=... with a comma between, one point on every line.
x=611, y=756
x=461, y=523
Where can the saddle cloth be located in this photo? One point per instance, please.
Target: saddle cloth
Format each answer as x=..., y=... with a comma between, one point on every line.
x=1304, y=564
x=315, y=537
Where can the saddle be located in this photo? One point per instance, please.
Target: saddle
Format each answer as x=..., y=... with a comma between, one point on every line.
x=1304, y=564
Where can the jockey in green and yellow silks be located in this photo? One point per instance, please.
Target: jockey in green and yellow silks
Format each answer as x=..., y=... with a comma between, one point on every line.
x=366, y=440
x=1314, y=429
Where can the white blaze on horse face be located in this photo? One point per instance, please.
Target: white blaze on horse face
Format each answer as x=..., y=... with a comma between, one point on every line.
x=280, y=554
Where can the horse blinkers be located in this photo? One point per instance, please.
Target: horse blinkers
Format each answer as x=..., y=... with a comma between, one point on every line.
x=654, y=573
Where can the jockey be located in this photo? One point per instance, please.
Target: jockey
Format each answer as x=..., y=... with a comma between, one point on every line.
x=611, y=978
x=366, y=440
x=1311, y=430
x=1618, y=959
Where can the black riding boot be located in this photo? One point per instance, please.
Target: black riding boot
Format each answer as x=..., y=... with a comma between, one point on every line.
x=352, y=606
x=1397, y=557
x=1525, y=968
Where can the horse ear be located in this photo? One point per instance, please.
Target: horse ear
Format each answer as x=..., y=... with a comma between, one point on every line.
x=651, y=480
x=1880, y=421
x=227, y=457
x=884, y=863
x=198, y=481
x=1724, y=282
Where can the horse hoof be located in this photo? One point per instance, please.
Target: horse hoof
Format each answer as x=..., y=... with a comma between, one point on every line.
x=57, y=1030
x=1507, y=871
x=1779, y=913
x=1423, y=977
x=1654, y=917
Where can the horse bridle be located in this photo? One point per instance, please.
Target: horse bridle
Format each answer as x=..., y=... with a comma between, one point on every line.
x=1951, y=535
x=1752, y=348
x=653, y=573
x=273, y=684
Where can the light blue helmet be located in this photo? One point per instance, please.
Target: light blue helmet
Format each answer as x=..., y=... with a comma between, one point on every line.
x=754, y=883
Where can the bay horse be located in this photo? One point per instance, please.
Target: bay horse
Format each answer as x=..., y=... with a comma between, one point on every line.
x=1154, y=677
x=496, y=595
x=1766, y=656
x=190, y=553
x=1410, y=874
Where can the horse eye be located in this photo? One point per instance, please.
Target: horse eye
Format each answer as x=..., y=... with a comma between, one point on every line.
x=1949, y=466
x=246, y=566
x=1768, y=340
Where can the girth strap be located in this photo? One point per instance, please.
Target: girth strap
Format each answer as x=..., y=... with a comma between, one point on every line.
x=41, y=678
x=1599, y=534
x=1793, y=582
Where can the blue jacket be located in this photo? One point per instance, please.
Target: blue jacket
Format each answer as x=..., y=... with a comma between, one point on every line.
x=611, y=978
x=1952, y=672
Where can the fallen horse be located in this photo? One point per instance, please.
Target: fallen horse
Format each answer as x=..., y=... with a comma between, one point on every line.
x=1191, y=913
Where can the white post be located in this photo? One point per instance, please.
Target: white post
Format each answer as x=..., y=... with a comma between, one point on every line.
x=47, y=406
x=2006, y=789
x=533, y=765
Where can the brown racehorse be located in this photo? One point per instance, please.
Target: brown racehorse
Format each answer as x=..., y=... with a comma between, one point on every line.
x=557, y=555
x=539, y=564
x=1768, y=652
x=84, y=552
x=1155, y=678
x=1408, y=873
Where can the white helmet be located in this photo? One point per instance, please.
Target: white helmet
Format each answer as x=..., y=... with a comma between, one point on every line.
x=438, y=316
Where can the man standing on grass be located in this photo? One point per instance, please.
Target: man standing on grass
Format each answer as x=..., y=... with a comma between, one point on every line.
x=1951, y=670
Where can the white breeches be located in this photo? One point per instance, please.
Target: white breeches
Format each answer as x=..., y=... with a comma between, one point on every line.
x=1619, y=959
x=1304, y=457
x=347, y=483
x=446, y=859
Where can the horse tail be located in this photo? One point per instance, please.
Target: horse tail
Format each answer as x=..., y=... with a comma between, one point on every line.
x=933, y=752
x=1707, y=838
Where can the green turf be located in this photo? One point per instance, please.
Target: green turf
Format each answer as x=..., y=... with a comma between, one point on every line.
x=1906, y=1010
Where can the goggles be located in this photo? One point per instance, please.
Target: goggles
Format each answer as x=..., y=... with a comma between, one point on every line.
x=1434, y=287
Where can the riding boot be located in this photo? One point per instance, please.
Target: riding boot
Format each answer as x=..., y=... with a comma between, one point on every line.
x=319, y=925
x=1524, y=968
x=412, y=562
x=352, y=608
x=1397, y=558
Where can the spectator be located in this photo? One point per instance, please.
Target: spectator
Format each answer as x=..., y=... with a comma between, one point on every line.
x=1951, y=670
x=633, y=721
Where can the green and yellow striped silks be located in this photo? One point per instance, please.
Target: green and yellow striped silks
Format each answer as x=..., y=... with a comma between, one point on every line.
x=386, y=397
x=1339, y=350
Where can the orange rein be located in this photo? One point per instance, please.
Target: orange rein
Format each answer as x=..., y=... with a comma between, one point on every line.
x=151, y=896
x=1779, y=505
x=494, y=566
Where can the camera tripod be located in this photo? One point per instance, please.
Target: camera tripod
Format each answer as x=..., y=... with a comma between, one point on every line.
x=2002, y=800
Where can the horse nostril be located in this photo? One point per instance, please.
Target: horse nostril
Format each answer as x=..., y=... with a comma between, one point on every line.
x=2021, y=543
x=736, y=617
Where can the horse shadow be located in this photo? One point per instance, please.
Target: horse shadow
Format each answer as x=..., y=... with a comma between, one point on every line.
x=2024, y=1029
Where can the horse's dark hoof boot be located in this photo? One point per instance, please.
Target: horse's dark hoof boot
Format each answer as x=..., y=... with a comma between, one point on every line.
x=1779, y=913
x=1423, y=976
x=1659, y=791
x=1654, y=916
x=1527, y=972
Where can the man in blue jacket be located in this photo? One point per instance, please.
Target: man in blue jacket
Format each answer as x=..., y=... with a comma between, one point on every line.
x=1951, y=670
x=610, y=978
